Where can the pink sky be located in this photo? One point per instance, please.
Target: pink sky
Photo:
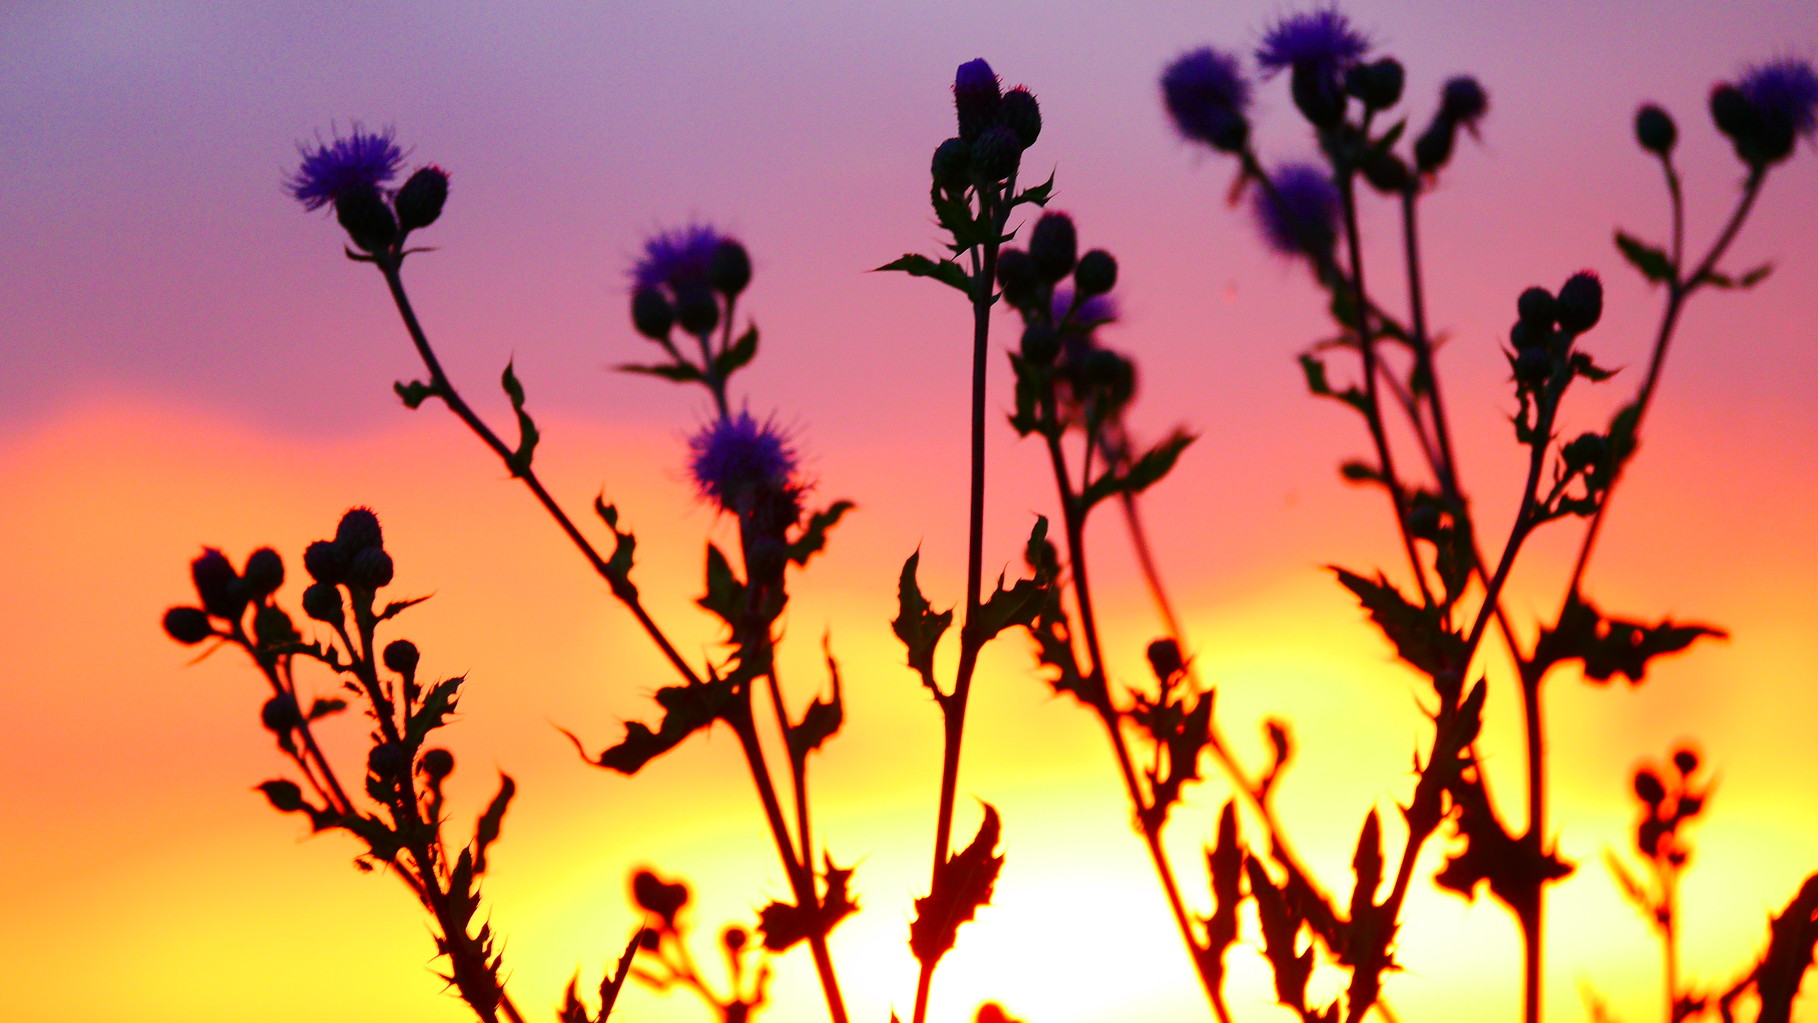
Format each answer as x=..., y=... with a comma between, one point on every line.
x=193, y=362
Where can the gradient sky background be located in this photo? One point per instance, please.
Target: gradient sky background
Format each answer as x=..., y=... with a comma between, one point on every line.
x=191, y=361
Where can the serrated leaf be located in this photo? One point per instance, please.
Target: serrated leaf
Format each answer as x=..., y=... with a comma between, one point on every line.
x=323, y=708
x=1420, y=634
x=725, y=594
x=608, y=513
x=687, y=708
x=916, y=624
x=784, y=924
x=1653, y=263
x=1037, y=194
x=946, y=271
x=487, y=831
x=1315, y=372
x=438, y=703
x=395, y=607
x=962, y=884
x=519, y=461
x=1611, y=646
x=823, y=717
x=1017, y=605
x=737, y=355
x=1139, y=475
x=813, y=538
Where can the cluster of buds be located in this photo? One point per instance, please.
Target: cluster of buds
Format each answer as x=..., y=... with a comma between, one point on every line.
x=1665, y=805
x=1060, y=320
x=226, y=595
x=995, y=127
x=688, y=278
x=351, y=173
x=1546, y=326
x=355, y=559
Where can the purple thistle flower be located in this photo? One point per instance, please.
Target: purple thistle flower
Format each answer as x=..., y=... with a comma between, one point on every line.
x=1321, y=38
x=1787, y=89
x=1207, y=96
x=677, y=258
x=362, y=159
x=1299, y=214
x=736, y=460
x=1095, y=311
x=977, y=94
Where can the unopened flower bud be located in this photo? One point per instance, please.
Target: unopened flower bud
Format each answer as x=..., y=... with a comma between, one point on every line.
x=218, y=584
x=995, y=154
x=1165, y=659
x=322, y=602
x=1021, y=114
x=264, y=573
x=1648, y=787
x=1527, y=334
x=188, y=625
x=1536, y=306
x=325, y=562
x=284, y=795
x=1318, y=93
x=1095, y=274
x=371, y=569
x=1533, y=366
x=271, y=626
x=1580, y=302
x=1054, y=246
x=1586, y=451
x=1685, y=761
x=1734, y=115
x=358, y=530
x=369, y=222
x=1378, y=84
x=419, y=201
x=1111, y=377
x=734, y=938
x=649, y=940
x=1463, y=100
x=696, y=309
x=951, y=167
x=387, y=761
x=1017, y=276
x=729, y=269
x=659, y=896
x=1423, y=522
x=437, y=763
x=651, y=313
x=976, y=96
x=1655, y=130
x=1040, y=344
x=401, y=656
x=280, y=714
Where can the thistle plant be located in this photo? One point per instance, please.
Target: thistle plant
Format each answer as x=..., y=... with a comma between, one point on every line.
x=1070, y=394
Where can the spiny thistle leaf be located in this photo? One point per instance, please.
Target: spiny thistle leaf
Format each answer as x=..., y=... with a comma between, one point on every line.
x=962, y=884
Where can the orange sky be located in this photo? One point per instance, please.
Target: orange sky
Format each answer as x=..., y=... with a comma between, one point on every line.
x=201, y=367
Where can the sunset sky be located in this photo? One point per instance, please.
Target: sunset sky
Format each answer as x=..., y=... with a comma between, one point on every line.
x=192, y=362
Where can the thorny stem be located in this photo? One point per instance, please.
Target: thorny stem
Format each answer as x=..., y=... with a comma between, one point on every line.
x=443, y=388
x=994, y=207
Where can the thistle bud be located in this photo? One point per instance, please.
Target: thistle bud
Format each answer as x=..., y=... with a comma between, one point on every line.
x=358, y=530
x=387, y=761
x=1527, y=334
x=1095, y=274
x=322, y=602
x=371, y=569
x=1463, y=100
x=1536, y=306
x=1041, y=344
x=995, y=154
x=1648, y=787
x=1586, y=451
x=1017, y=276
x=1685, y=761
x=401, y=656
x=1424, y=522
x=1111, y=377
x=734, y=938
x=264, y=573
x=280, y=714
x=658, y=896
x=1533, y=366
x=1165, y=659
x=651, y=313
x=1734, y=115
x=1054, y=246
x=369, y=222
x=1655, y=130
x=696, y=309
x=976, y=97
x=437, y=763
x=1378, y=85
x=419, y=201
x=325, y=562
x=218, y=584
x=951, y=167
x=1580, y=302
x=1021, y=114
x=284, y=796
x=271, y=626
x=729, y=269
x=188, y=625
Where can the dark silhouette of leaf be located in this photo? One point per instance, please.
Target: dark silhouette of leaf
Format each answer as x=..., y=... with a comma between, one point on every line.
x=438, y=702
x=823, y=717
x=737, y=354
x=916, y=624
x=962, y=884
x=1611, y=646
x=1420, y=634
x=1138, y=476
x=680, y=372
x=813, y=538
x=784, y=924
x=687, y=708
x=946, y=271
x=323, y=708
x=491, y=821
x=1225, y=865
x=1792, y=937
x=519, y=460
x=1280, y=929
x=1653, y=263
x=725, y=594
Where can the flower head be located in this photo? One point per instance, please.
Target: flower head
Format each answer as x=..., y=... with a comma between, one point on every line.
x=1320, y=38
x=976, y=97
x=1298, y=213
x=1786, y=89
x=1207, y=96
x=737, y=461
x=360, y=160
x=678, y=258
x=1464, y=100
